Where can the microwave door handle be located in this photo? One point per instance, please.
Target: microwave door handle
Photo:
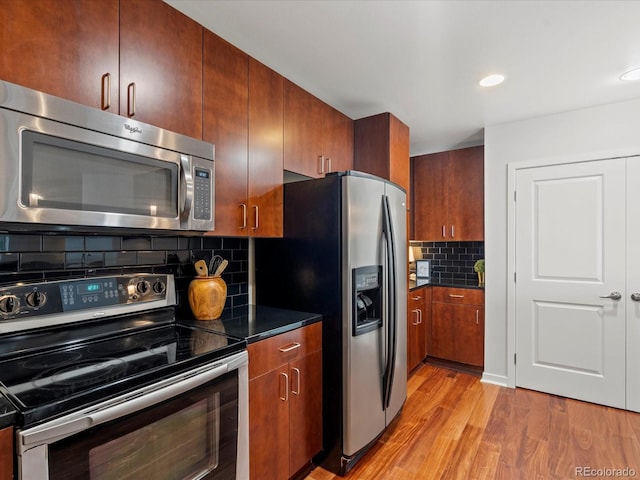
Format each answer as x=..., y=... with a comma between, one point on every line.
x=186, y=183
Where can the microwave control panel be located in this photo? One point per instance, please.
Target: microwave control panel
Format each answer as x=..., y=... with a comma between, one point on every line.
x=202, y=194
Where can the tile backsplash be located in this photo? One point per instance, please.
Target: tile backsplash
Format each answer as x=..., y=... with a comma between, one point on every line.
x=451, y=260
x=37, y=257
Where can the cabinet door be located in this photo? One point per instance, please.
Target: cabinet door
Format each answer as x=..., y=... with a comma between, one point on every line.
x=226, y=94
x=302, y=131
x=443, y=331
x=265, y=151
x=399, y=154
x=416, y=333
x=466, y=194
x=337, y=140
x=62, y=48
x=160, y=66
x=6, y=453
x=430, y=196
x=469, y=340
x=305, y=410
x=269, y=425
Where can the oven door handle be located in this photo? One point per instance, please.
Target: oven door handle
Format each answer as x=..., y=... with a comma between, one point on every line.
x=130, y=403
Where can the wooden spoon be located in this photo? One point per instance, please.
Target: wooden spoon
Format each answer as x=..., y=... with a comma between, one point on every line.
x=201, y=268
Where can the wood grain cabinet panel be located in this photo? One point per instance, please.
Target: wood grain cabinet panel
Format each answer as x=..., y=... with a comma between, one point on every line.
x=318, y=139
x=265, y=208
x=381, y=147
x=457, y=325
x=225, y=124
x=285, y=402
x=418, y=326
x=139, y=58
x=161, y=66
x=63, y=48
x=448, y=195
x=6, y=453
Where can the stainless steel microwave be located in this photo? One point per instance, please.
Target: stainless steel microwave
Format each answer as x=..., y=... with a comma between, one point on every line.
x=67, y=166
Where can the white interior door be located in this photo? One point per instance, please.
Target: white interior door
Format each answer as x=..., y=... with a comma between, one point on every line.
x=633, y=284
x=570, y=253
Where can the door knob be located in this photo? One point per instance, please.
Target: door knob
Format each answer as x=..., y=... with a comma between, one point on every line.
x=613, y=296
x=635, y=297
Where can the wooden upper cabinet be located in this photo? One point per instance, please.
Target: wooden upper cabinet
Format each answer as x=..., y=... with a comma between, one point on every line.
x=337, y=140
x=266, y=95
x=161, y=66
x=68, y=49
x=381, y=147
x=302, y=131
x=448, y=195
x=225, y=124
x=318, y=139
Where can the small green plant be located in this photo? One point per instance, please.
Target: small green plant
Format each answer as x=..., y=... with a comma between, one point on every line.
x=479, y=266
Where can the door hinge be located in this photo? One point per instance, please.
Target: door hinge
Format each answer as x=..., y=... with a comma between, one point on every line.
x=514, y=196
x=514, y=277
x=514, y=358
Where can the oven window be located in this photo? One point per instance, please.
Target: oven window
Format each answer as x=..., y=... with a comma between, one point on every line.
x=192, y=436
x=181, y=445
x=65, y=174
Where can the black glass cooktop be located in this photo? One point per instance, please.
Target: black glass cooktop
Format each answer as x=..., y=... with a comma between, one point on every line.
x=47, y=373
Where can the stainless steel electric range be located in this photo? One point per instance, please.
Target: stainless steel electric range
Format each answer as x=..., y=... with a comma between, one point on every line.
x=108, y=384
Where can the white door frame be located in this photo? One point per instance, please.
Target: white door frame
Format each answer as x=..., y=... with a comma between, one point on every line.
x=512, y=170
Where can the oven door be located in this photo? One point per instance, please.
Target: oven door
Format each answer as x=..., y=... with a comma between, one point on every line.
x=194, y=426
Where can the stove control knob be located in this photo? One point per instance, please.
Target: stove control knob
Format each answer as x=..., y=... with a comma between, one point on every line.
x=143, y=287
x=9, y=304
x=159, y=287
x=36, y=299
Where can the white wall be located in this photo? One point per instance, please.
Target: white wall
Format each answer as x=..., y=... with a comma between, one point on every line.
x=593, y=133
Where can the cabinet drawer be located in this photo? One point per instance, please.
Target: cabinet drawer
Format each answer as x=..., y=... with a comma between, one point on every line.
x=463, y=296
x=272, y=352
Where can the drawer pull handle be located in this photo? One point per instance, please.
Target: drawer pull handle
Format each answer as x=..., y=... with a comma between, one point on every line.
x=456, y=296
x=288, y=348
x=417, y=298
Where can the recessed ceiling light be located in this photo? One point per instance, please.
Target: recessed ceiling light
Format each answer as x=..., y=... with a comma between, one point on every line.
x=492, y=80
x=631, y=75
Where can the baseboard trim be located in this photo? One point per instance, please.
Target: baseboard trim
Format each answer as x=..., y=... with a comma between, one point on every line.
x=500, y=380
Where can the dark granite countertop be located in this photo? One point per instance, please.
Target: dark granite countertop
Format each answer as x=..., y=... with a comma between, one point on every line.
x=7, y=413
x=434, y=282
x=256, y=322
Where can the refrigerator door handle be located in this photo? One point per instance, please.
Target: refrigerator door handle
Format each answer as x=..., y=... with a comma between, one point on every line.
x=387, y=228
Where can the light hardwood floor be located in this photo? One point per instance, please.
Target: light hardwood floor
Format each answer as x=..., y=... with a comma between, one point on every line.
x=454, y=427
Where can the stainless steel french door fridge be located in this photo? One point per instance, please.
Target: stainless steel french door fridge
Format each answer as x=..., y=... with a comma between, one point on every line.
x=344, y=255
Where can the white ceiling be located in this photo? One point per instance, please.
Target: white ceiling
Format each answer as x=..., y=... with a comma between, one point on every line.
x=422, y=60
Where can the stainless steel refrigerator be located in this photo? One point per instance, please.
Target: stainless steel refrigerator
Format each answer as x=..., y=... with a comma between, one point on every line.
x=344, y=255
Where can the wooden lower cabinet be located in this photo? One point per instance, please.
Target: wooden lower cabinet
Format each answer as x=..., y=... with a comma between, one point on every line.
x=418, y=326
x=457, y=325
x=285, y=402
x=6, y=453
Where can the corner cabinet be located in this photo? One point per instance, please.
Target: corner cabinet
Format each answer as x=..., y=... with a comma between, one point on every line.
x=318, y=139
x=448, y=195
x=381, y=147
x=285, y=403
x=6, y=453
x=418, y=326
x=457, y=325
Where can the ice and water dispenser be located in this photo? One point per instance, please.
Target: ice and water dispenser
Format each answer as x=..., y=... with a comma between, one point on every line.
x=367, y=299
